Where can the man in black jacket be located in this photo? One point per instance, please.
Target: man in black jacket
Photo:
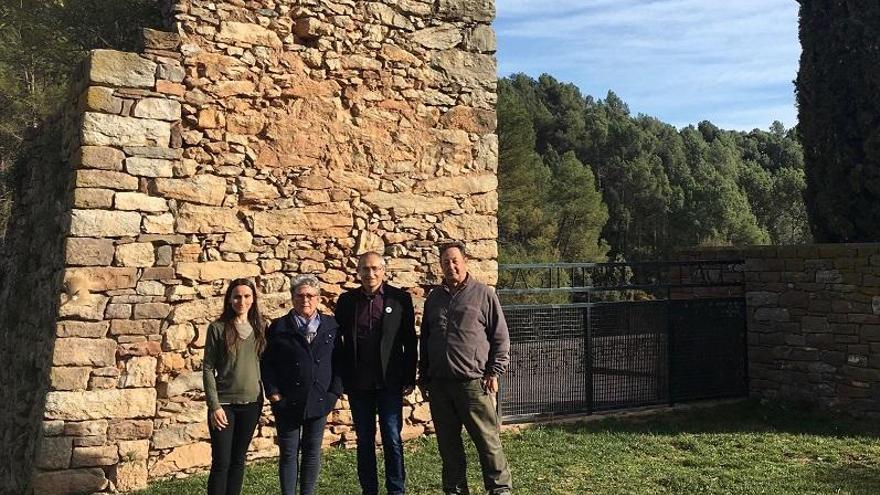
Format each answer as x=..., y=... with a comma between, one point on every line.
x=377, y=355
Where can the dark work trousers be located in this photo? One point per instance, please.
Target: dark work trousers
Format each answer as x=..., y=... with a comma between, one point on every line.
x=365, y=405
x=229, y=447
x=294, y=436
x=454, y=404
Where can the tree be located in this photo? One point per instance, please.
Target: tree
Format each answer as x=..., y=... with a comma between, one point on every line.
x=839, y=114
x=41, y=42
x=580, y=212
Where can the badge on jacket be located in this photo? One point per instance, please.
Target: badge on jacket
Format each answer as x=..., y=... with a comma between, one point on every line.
x=388, y=309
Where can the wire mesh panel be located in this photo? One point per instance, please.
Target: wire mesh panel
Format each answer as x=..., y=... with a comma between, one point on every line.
x=598, y=336
x=547, y=361
x=708, y=346
x=628, y=348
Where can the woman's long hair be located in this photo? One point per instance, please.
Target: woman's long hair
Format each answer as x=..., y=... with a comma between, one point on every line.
x=255, y=318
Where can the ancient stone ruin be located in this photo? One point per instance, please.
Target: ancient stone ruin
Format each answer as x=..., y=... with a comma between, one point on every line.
x=254, y=138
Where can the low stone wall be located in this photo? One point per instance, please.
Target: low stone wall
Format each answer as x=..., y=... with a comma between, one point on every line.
x=813, y=323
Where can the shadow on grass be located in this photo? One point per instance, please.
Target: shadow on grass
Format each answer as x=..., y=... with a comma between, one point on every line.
x=739, y=417
x=853, y=479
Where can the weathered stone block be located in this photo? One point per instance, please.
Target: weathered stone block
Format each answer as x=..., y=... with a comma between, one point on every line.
x=129, y=476
x=70, y=482
x=105, y=455
x=202, y=189
x=159, y=224
x=82, y=329
x=194, y=219
x=100, y=157
x=88, y=252
x=198, y=309
x=104, y=278
x=139, y=371
x=69, y=378
x=99, y=129
x=86, y=428
x=157, y=108
x=92, y=198
x=100, y=404
x=106, y=179
x=181, y=458
x=441, y=37
x=252, y=34
x=55, y=453
x=465, y=68
x=462, y=185
x=115, y=68
x=178, y=337
x=135, y=254
x=237, y=242
x=177, y=435
x=149, y=167
x=135, y=201
x=147, y=311
x=404, y=203
x=477, y=10
x=470, y=227
x=217, y=270
x=482, y=39
x=184, y=382
x=129, y=430
x=100, y=99
x=255, y=190
x=99, y=223
x=75, y=351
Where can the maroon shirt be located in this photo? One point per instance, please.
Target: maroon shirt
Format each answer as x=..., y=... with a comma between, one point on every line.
x=368, y=371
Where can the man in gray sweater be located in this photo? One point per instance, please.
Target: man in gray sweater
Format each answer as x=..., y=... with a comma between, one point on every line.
x=464, y=347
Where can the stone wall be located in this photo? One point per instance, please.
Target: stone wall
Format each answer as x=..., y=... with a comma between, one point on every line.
x=813, y=323
x=31, y=264
x=261, y=139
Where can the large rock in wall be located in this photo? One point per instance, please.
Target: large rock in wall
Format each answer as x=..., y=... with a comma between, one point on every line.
x=261, y=141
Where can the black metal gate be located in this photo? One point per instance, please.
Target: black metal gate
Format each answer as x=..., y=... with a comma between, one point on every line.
x=598, y=337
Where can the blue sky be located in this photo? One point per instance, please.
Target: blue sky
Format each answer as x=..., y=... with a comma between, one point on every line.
x=728, y=61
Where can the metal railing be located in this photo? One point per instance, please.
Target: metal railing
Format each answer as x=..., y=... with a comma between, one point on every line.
x=589, y=337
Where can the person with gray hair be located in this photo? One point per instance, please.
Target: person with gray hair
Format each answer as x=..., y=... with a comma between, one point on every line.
x=301, y=383
x=377, y=352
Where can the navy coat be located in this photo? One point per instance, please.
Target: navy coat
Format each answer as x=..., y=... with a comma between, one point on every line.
x=302, y=373
x=398, y=351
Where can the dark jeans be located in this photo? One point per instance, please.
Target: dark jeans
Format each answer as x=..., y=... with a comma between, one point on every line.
x=229, y=447
x=389, y=406
x=295, y=435
x=464, y=403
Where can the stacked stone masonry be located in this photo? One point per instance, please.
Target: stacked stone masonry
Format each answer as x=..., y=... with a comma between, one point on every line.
x=813, y=323
x=261, y=139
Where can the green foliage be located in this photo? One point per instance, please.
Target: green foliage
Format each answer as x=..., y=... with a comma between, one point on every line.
x=41, y=42
x=839, y=114
x=663, y=188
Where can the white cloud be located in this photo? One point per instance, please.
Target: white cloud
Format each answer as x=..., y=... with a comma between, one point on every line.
x=656, y=54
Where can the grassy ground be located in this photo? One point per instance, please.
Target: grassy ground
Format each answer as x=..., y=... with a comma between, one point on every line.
x=731, y=449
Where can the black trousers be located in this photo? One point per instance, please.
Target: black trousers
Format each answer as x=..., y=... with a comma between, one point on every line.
x=229, y=448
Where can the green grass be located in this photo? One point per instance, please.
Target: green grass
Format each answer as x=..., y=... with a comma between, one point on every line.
x=742, y=448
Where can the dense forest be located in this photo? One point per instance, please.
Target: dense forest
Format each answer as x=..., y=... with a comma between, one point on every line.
x=582, y=179
x=579, y=178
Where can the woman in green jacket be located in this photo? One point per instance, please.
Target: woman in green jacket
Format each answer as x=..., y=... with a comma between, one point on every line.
x=231, y=372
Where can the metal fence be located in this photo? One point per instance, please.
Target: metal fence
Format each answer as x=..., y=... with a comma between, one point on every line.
x=597, y=337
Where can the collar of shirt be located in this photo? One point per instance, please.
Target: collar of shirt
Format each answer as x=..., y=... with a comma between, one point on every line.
x=307, y=327
x=460, y=287
x=370, y=295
